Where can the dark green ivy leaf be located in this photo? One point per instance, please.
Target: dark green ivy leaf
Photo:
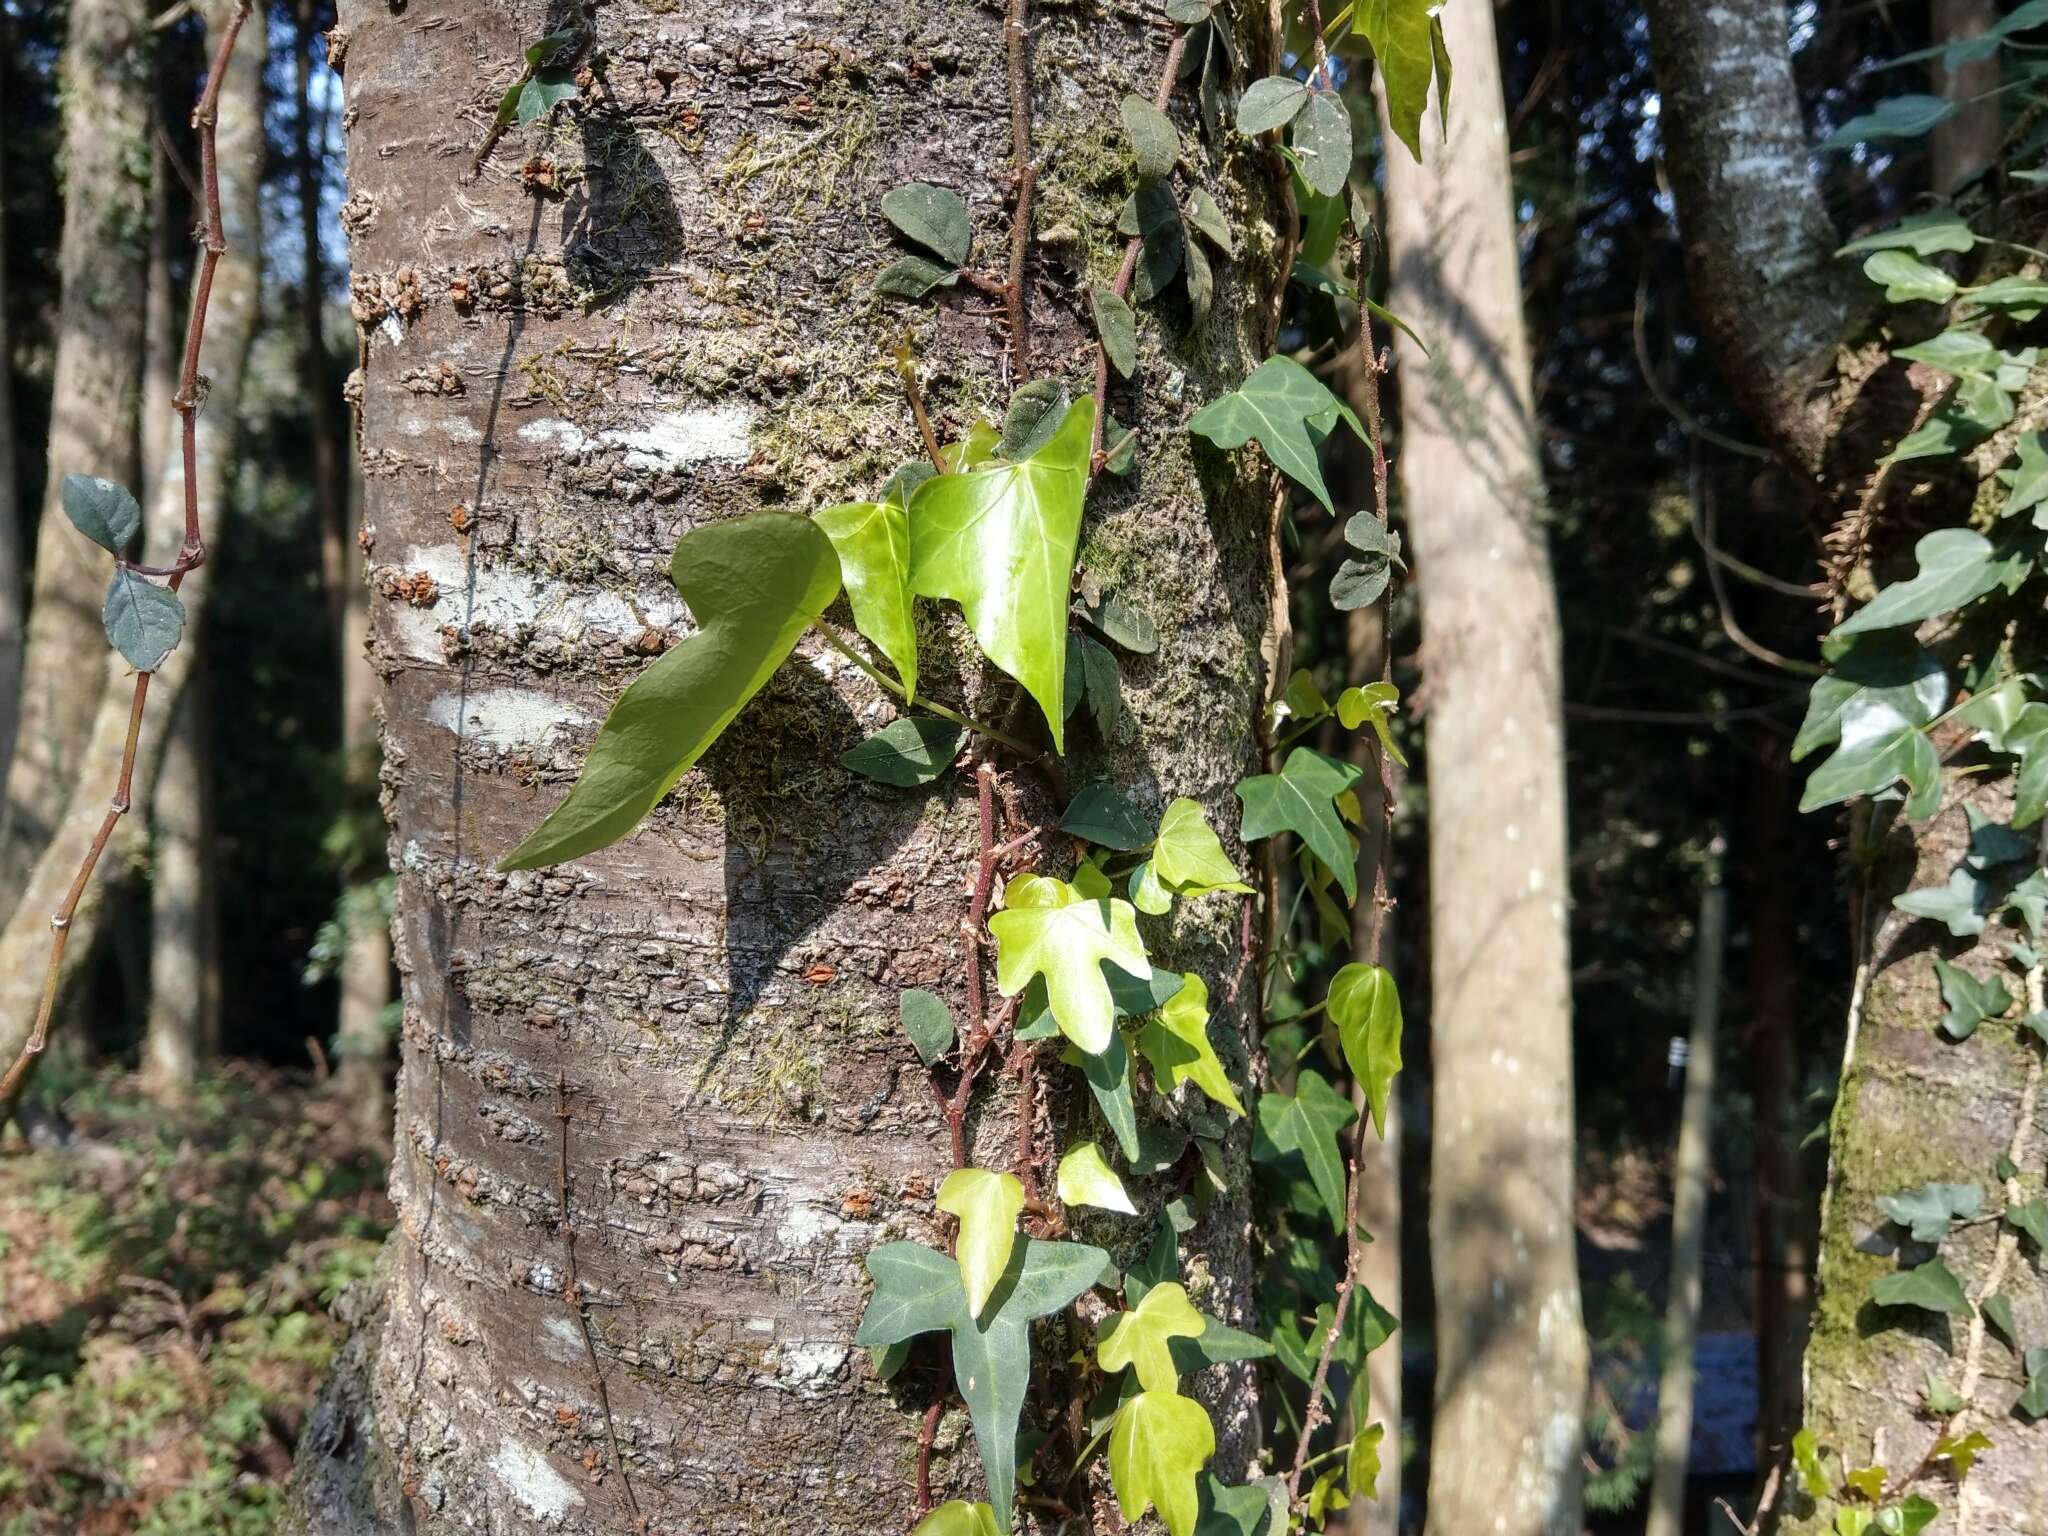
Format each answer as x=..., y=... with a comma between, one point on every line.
x=1188, y=12
x=1092, y=676
x=1900, y=117
x=1928, y=1210
x=2030, y=1217
x=1957, y=566
x=933, y=217
x=907, y=752
x=1108, y=1072
x=1301, y=799
x=1155, y=142
x=1880, y=746
x=912, y=277
x=928, y=1022
x=1307, y=1122
x=2033, y=1402
x=1998, y=1313
x=1117, y=324
x=539, y=53
x=1931, y=1287
x=1201, y=281
x=103, y=511
x=1360, y=582
x=1290, y=411
x=1102, y=814
x=540, y=95
x=1124, y=623
x=1227, y=1511
x=1035, y=413
x=1270, y=103
x=1971, y=999
x=143, y=620
x=1886, y=665
x=1206, y=219
x=1152, y=216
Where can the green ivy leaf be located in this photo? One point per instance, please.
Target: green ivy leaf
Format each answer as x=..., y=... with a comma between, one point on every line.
x=1160, y=1441
x=872, y=540
x=1308, y=1122
x=2028, y=737
x=1998, y=1313
x=912, y=277
x=1909, y=1517
x=1886, y=666
x=1880, y=746
x=539, y=96
x=1940, y=1397
x=1399, y=31
x=907, y=752
x=1900, y=117
x=956, y=1517
x=1290, y=411
x=1103, y=815
x=1958, y=351
x=1930, y=1286
x=1035, y=413
x=1906, y=279
x=1271, y=103
x=1124, y=623
x=1321, y=141
x=755, y=584
x=1924, y=234
x=1108, y=1074
x=2026, y=483
x=1971, y=999
x=1117, y=324
x=2030, y=1217
x=928, y=1022
x=1141, y=1337
x=1302, y=798
x=1085, y=1178
x=1360, y=582
x=1851, y=1521
x=1155, y=142
x=1365, y=1006
x=1961, y=1452
x=1092, y=677
x=1374, y=702
x=1201, y=282
x=1151, y=215
x=1957, y=566
x=987, y=1204
x=1228, y=1511
x=103, y=511
x=1217, y=1344
x=143, y=621
x=1362, y=1462
x=2033, y=1402
x=1000, y=542
x=1963, y=904
x=2023, y=298
x=1928, y=1210
x=1203, y=216
x=933, y=217
x=1147, y=892
x=1813, y=1476
x=1049, y=929
x=1188, y=856
x=1176, y=1041
x=540, y=52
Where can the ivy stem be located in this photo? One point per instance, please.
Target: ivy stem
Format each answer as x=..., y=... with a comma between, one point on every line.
x=906, y=370
x=1017, y=38
x=968, y=722
x=191, y=394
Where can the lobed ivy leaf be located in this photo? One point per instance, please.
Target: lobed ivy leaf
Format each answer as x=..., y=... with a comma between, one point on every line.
x=1924, y=234
x=1900, y=117
x=1910, y=1516
x=1155, y=142
x=143, y=621
x=1866, y=1481
x=1365, y=1006
x=1307, y=1122
x=1813, y=1476
x=933, y=217
x=1117, y=324
x=1961, y=1451
x=1302, y=798
x=907, y=752
x=1141, y=1338
x=872, y=541
x=1104, y=815
x=1402, y=43
x=1290, y=411
x=2026, y=482
x=2023, y=298
x=1321, y=141
x=1906, y=279
x=987, y=1204
x=1243, y=1511
x=1108, y=1074
x=1271, y=103
x=103, y=511
x=1374, y=702
x=1879, y=746
x=1886, y=666
x=1217, y=1344
x=1085, y=1178
x=755, y=584
x=540, y=52
x=1176, y=1041
x=927, y=1021
x=1362, y=1462
x=1930, y=1286
x=1158, y=1444
x=1048, y=928
x=1928, y=1210
x=1000, y=542
x=1971, y=999
x=1188, y=856
x=1963, y=904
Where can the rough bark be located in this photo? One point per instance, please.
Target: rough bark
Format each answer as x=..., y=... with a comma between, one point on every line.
x=162, y=325
x=231, y=325
x=1759, y=247
x=103, y=256
x=655, y=312
x=1506, y=1445
x=1965, y=144
x=12, y=596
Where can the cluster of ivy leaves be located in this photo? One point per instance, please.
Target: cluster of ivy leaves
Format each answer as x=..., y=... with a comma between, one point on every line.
x=1886, y=696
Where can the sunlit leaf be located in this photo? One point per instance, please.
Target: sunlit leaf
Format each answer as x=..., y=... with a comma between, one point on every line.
x=1117, y=324
x=1085, y=1178
x=987, y=1204
x=103, y=511
x=1049, y=929
x=872, y=540
x=1301, y=799
x=1930, y=1286
x=1187, y=855
x=1399, y=32
x=1321, y=140
x=1374, y=702
x=1365, y=1006
x=1900, y=117
x=1307, y=1122
x=927, y=1021
x=1928, y=1210
x=1176, y=1041
x=907, y=752
x=1971, y=999
x=1141, y=1338
x=956, y=1517
x=1362, y=1462
x=1905, y=279
x=1154, y=141
x=1270, y=103
x=933, y=217
x=1160, y=1441
x=1289, y=410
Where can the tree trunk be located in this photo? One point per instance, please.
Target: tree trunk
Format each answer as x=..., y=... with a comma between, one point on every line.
x=230, y=327
x=182, y=1033
x=554, y=390
x=162, y=329
x=1967, y=142
x=104, y=257
x=1511, y=1361
x=12, y=595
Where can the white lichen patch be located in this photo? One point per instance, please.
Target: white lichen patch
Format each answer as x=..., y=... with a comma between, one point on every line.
x=713, y=434
x=564, y=1342
x=508, y=599
x=505, y=717
x=803, y=1367
x=525, y=1474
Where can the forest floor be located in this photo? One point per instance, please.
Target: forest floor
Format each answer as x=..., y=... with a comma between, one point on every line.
x=167, y=1281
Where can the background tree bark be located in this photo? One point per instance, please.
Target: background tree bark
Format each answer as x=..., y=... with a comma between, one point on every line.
x=13, y=596
x=652, y=312
x=104, y=255
x=1506, y=1445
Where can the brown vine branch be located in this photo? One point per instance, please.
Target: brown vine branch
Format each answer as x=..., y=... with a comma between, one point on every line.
x=906, y=370
x=572, y=1293
x=191, y=394
x=1017, y=39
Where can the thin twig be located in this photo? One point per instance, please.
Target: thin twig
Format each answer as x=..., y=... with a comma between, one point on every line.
x=1017, y=38
x=572, y=1293
x=191, y=393
x=906, y=370
x=926, y=1439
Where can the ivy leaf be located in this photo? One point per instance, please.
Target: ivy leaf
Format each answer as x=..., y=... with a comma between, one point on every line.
x=1879, y=746
x=1928, y=1210
x=1049, y=929
x=1201, y=282
x=1101, y=813
x=933, y=217
x=540, y=95
x=1155, y=142
x=1301, y=798
x=1957, y=566
x=956, y=1517
x=1399, y=32
x=1117, y=324
x=1963, y=904
x=540, y=52
x=1218, y=1344
x=103, y=511
x=2030, y=1217
x=1308, y=1122
x=1124, y=623
x=1203, y=216
x=1961, y=1452
x=1000, y=542
x=1289, y=410
x=143, y=621
x=1035, y=413
x=1851, y=1521
x=1887, y=666
x=907, y=752
x=2026, y=483
x=1151, y=215
x=1905, y=279
x=1813, y=1476
x=1374, y=702
x=755, y=584
x=1092, y=677
x=1148, y=893
x=1108, y=1073
x=1322, y=142
x=917, y=1290
x=1176, y=1042
x=2033, y=1402
x=912, y=277
x=1188, y=856
x=1360, y=582
x=2021, y=297
x=1901, y=117
x=1159, y=1442
x=872, y=540
x=1930, y=1286
x=1971, y=1000
x=1365, y=1006
x=1085, y=1178
x=1270, y=103
x=2029, y=739
x=1998, y=1313
x=1940, y=1397
x=1909, y=1517
x=1924, y=234
x=988, y=1205
x=1362, y=1462
x=1228, y=1511
x=1141, y=1338
x=928, y=1022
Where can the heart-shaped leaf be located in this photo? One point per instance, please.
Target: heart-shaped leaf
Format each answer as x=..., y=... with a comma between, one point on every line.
x=1322, y=142
x=1155, y=142
x=1307, y=1122
x=1270, y=103
x=1365, y=1006
x=143, y=620
x=933, y=217
x=1399, y=31
x=1085, y=1178
x=1160, y=1441
x=1188, y=856
x=907, y=752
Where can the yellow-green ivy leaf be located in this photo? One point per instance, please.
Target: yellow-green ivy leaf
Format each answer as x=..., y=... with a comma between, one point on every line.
x=1048, y=928
x=987, y=1204
x=1143, y=1337
x=1813, y=1476
x=1085, y=1178
x=1326, y=1494
x=1176, y=1041
x=1188, y=856
x=754, y=584
x=1962, y=1452
x=956, y=1517
x=1158, y=1444
x=1867, y=1481
x=1374, y=702
x=1000, y=543
x=872, y=540
x=1365, y=1006
x=1362, y=1462
x=1850, y=1521
x=1148, y=894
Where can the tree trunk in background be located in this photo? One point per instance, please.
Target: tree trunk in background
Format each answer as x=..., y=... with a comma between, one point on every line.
x=230, y=327
x=182, y=1034
x=691, y=334
x=12, y=594
x=104, y=256
x=1511, y=1359
x=163, y=338
x=1379, y=1171
x=1967, y=142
